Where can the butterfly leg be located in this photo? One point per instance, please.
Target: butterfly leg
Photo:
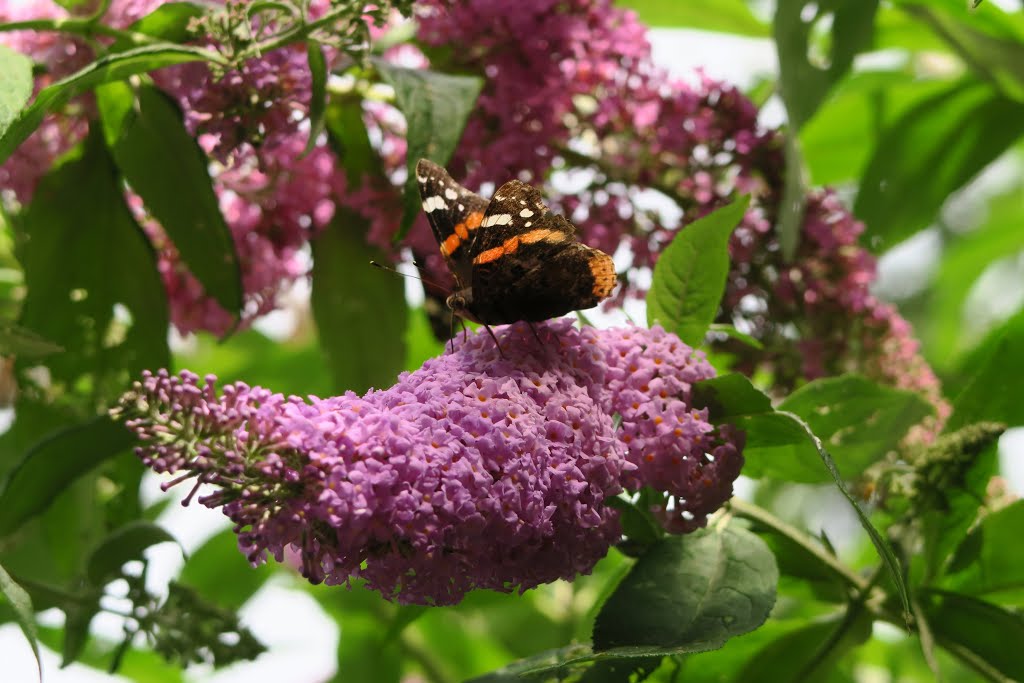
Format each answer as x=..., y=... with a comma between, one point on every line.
x=535, y=335
x=496, y=343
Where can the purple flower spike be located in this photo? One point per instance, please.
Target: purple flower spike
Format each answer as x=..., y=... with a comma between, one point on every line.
x=478, y=470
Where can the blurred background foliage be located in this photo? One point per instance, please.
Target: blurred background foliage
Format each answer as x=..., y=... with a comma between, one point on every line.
x=914, y=111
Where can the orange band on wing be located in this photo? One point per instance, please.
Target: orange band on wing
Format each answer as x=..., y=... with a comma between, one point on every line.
x=461, y=232
x=512, y=243
x=450, y=244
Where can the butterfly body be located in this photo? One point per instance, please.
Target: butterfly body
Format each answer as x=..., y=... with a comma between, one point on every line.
x=512, y=258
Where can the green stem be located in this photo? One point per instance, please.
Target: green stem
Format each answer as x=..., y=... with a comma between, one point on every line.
x=81, y=27
x=294, y=33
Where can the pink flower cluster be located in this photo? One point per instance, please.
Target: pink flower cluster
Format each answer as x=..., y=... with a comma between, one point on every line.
x=481, y=469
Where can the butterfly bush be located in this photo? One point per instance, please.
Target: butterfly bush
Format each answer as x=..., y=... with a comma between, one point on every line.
x=571, y=86
x=484, y=468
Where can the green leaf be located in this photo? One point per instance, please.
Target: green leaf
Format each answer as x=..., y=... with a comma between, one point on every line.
x=318, y=92
x=724, y=16
x=989, y=396
x=945, y=331
x=91, y=278
x=15, y=85
x=169, y=21
x=804, y=653
x=931, y=150
x=777, y=446
x=124, y=545
x=860, y=421
x=689, y=278
x=436, y=107
x=360, y=311
x=885, y=551
x=20, y=341
x=690, y=593
x=805, y=85
x=219, y=571
x=56, y=462
x=990, y=561
x=21, y=604
x=977, y=631
x=112, y=67
x=163, y=163
x=351, y=142
x=997, y=59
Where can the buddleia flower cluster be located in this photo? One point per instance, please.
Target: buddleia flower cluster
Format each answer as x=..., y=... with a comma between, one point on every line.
x=485, y=468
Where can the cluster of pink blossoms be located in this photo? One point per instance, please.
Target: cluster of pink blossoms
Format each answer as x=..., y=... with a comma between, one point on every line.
x=478, y=470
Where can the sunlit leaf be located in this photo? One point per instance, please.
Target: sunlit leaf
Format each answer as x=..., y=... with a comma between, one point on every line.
x=15, y=85
x=21, y=605
x=689, y=278
x=725, y=16
x=436, y=107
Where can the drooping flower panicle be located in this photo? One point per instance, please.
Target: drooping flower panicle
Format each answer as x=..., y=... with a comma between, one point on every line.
x=478, y=470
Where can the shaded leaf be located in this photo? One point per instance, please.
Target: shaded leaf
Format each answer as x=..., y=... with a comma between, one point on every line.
x=163, y=164
x=351, y=142
x=934, y=148
x=124, y=545
x=15, y=85
x=803, y=654
x=860, y=421
x=725, y=16
x=436, y=107
x=690, y=593
x=988, y=396
x=21, y=606
x=360, y=311
x=92, y=284
x=990, y=561
x=112, y=67
x=54, y=463
x=804, y=85
x=689, y=277
x=989, y=632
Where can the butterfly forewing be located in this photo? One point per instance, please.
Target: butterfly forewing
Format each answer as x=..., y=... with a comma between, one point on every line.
x=454, y=214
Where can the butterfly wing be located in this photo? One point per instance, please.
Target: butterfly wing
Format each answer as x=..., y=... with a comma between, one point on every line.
x=454, y=214
x=526, y=262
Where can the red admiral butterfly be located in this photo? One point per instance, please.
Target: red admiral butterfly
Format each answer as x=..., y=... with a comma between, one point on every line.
x=511, y=257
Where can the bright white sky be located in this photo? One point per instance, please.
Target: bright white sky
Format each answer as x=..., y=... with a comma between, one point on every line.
x=301, y=640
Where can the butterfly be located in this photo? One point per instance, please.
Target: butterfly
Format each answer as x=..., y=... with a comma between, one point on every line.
x=512, y=258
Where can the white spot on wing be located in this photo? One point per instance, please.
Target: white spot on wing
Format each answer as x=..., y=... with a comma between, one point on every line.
x=432, y=203
x=421, y=179
x=528, y=224
x=497, y=219
x=451, y=194
x=526, y=213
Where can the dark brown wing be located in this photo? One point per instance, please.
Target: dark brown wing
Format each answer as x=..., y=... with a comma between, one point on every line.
x=454, y=214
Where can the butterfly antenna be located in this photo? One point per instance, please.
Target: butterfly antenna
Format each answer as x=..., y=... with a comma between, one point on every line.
x=378, y=264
